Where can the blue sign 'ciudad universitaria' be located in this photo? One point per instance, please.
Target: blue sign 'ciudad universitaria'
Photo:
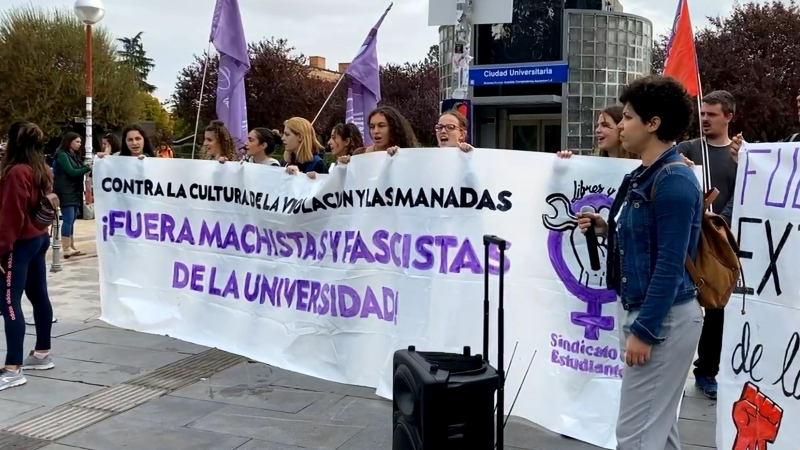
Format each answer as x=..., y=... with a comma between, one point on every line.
x=532, y=73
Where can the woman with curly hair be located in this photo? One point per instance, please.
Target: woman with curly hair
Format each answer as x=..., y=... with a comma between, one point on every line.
x=218, y=143
x=389, y=130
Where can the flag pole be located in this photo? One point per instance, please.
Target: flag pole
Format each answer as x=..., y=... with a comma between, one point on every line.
x=338, y=82
x=703, y=142
x=200, y=101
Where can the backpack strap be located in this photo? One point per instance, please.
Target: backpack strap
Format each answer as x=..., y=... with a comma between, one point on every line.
x=708, y=199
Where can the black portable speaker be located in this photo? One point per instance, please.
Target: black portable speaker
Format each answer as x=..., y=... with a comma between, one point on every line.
x=443, y=401
x=446, y=401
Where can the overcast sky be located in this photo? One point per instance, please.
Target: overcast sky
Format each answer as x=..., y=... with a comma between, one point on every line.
x=174, y=30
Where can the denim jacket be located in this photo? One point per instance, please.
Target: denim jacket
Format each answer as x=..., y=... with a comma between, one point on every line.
x=648, y=240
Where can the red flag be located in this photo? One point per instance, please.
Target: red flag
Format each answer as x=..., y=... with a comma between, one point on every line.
x=681, y=62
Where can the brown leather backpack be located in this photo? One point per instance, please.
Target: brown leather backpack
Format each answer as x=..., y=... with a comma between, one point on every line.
x=716, y=269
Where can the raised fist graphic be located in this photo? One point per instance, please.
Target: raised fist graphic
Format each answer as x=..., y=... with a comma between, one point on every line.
x=757, y=419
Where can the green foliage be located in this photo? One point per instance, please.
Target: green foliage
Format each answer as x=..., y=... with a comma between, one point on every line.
x=133, y=54
x=42, y=71
x=185, y=151
x=150, y=109
x=280, y=85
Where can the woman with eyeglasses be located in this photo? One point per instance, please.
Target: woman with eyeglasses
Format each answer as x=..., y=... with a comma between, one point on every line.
x=451, y=131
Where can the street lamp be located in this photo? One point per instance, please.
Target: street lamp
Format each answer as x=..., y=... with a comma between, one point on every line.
x=89, y=12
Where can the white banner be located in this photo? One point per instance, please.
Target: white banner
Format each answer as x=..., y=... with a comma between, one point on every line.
x=329, y=277
x=758, y=403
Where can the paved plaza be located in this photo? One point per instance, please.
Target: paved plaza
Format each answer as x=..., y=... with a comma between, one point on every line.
x=119, y=389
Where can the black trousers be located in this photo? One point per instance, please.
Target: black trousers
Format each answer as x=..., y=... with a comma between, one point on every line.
x=26, y=271
x=710, y=346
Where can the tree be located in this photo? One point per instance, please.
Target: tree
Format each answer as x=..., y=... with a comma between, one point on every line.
x=150, y=109
x=133, y=54
x=278, y=86
x=754, y=53
x=42, y=70
x=659, y=54
x=413, y=89
x=534, y=34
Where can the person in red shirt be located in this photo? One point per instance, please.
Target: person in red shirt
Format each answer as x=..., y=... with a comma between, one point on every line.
x=24, y=182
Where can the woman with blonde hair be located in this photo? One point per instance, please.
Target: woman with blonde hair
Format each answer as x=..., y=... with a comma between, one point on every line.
x=218, y=143
x=301, y=149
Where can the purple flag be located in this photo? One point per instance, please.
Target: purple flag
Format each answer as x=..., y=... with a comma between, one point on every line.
x=364, y=92
x=227, y=34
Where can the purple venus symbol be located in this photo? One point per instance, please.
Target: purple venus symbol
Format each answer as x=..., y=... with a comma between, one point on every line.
x=566, y=222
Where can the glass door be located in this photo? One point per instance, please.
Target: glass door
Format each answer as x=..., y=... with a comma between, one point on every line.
x=551, y=136
x=525, y=136
x=533, y=134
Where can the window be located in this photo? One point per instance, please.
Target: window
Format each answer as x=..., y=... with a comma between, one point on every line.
x=534, y=35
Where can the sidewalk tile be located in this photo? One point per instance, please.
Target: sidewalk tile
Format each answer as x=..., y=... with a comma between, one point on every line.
x=11, y=409
x=61, y=328
x=126, y=338
x=352, y=410
x=48, y=392
x=525, y=435
x=375, y=437
x=305, y=382
x=173, y=411
x=255, y=444
x=122, y=356
x=58, y=447
x=701, y=409
x=252, y=395
x=251, y=373
x=119, y=432
x=89, y=372
x=695, y=432
x=276, y=427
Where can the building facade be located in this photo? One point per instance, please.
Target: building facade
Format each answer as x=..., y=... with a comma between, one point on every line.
x=538, y=83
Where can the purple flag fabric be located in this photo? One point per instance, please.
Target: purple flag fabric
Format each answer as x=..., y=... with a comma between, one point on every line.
x=364, y=91
x=227, y=34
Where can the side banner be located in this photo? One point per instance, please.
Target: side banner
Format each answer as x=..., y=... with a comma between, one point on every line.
x=329, y=277
x=759, y=395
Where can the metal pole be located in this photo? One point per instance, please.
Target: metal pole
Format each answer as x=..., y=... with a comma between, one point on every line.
x=88, y=144
x=56, y=231
x=200, y=101
x=328, y=99
x=462, y=55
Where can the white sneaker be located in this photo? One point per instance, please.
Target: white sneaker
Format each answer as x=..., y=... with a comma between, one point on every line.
x=9, y=379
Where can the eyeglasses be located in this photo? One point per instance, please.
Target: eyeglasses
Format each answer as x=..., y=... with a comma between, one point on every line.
x=448, y=127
